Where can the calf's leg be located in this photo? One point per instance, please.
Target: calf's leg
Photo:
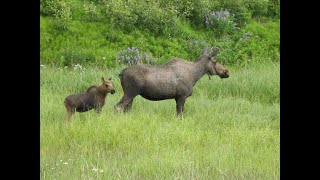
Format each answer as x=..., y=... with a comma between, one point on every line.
x=99, y=107
x=70, y=112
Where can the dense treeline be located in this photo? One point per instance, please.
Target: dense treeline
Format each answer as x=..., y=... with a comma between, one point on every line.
x=106, y=32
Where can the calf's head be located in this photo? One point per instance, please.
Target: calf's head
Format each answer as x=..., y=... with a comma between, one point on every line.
x=107, y=85
x=215, y=68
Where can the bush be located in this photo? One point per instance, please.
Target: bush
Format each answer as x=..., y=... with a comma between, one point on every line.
x=254, y=43
x=241, y=14
x=148, y=17
x=91, y=12
x=273, y=9
x=164, y=29
x=58, y=9
x=257, y=8
x=221, y=22
x=199, y=11
x=133, y=56
x=196, y=47
x=72, y=56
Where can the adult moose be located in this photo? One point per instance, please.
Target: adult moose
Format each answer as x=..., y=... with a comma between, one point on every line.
x=173, y=80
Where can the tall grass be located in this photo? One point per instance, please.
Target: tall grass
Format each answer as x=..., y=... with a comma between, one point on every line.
x=230, y=129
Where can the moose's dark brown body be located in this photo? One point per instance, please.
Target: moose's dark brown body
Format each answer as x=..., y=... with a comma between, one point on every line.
x=174, y=80
x=93, y=98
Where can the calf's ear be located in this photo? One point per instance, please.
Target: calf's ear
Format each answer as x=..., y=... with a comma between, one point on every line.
x=102, y=79
x=110, y=78
x=213, y=53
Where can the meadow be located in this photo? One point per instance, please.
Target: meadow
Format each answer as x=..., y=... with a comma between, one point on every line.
x=230, y=129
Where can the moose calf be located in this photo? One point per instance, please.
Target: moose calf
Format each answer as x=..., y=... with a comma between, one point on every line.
x=93, y=98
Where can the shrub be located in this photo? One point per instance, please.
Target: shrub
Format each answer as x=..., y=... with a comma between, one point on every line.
x=146, y=16
x=257, y=8
x=133, y=56
x=241, y=13
x=196, y=47
x=254, y=43
x=273, y=8
x=72, y=56
x=221, y=22
x=91, y=12
x=58, y=9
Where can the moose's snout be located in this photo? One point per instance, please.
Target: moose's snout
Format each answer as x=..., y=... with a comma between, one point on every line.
x=113, y=91
x=225, y=74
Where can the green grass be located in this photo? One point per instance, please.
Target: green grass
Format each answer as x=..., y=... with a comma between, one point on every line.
x=230, y=129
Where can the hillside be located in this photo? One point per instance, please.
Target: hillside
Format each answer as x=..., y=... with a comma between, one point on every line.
x=100, y=32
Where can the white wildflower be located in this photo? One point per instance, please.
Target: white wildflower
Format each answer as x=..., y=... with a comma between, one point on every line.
x=77, y=66
x=94, y=169
x=65, y=163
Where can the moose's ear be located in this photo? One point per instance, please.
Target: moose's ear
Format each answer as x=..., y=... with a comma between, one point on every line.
x=214, y=62
x=213, y=53
x=205, y=51
x=102, y=79
x=110, y=78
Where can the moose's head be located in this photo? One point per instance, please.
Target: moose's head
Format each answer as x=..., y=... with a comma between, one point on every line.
x=107, y=85
x=213, y=67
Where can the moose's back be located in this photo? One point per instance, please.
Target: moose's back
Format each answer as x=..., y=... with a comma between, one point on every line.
x=81, y=101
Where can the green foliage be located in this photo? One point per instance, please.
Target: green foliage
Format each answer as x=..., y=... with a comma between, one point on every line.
x=132, y=56
x=236, y=7
x=221, y=23
x=146, y=16
x=91, y=12
x=257, y=8
x=58, y=9
x=254, y=43
x=195, y=11
x=100, y=28
x=196, y=47
x=274, y=8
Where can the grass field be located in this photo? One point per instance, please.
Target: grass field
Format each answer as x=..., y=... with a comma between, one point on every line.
x=230, y=129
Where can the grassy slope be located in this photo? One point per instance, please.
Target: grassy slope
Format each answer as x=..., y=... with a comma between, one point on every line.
x=98, y=43
x=230, y=130
x=104, y=42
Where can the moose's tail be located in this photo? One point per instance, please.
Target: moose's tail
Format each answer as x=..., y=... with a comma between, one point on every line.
x=121, y=74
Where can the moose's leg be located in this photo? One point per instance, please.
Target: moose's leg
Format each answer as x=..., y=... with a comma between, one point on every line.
x=125, y=100
x=180, y=104
x=128, y=107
